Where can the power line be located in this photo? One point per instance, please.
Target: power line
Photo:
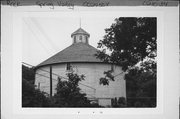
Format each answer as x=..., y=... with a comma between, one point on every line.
x=36, y=36
x=87, y=86
x=46, y=71
x=65, y=77
x=57, y=75
x=38, y=26
x=44, y=76
x=119, y=74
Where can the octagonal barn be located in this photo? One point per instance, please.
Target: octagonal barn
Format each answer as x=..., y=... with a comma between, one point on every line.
x=80, y=58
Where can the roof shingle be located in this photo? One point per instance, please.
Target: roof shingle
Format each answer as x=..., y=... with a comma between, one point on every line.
x=78, y=52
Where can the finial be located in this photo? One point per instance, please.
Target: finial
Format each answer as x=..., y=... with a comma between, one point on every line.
x=80, y=22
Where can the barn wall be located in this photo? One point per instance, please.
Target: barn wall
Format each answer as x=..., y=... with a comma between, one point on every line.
x=93, y=72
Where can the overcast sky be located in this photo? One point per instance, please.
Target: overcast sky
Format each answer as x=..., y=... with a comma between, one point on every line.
x=45, y=36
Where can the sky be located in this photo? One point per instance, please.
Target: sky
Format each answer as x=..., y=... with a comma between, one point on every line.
x=45, y=36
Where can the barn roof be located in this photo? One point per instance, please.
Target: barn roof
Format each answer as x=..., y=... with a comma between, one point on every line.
x=78, y=52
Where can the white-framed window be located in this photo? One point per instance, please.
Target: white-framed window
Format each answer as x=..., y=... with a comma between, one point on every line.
x=68, y=67
x=80, y=38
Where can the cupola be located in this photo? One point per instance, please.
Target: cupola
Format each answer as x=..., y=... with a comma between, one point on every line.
x=80, y=36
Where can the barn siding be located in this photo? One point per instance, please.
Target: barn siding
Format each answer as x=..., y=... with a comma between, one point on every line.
x=93, y=72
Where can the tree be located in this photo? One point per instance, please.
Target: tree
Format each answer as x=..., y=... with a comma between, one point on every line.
x=121, y=102
x=28, y=74
x=131, y=44
x=129, y=40
x=141, y=85
x=32, y=97
x=69, y=94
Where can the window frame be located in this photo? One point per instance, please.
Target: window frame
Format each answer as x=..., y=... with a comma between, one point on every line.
x=80, y=38
x=74, y=39
x=68, y=66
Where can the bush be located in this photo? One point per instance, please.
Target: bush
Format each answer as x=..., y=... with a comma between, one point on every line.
x=68, y=93
x=120, y=102
x=32, y=97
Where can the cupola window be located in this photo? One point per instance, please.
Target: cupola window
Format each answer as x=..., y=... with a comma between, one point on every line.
x=80, y=38
x=74, y=39
x=86, y=39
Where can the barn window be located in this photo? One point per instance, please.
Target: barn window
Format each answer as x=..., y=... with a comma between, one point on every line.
x=68, y=66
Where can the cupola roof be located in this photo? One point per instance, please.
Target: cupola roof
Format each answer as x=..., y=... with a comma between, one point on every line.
x=80, y=31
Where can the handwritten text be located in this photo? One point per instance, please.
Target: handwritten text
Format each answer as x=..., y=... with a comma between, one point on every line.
x=155, y=3
x=13, y=3
x=95, y=4
x=57, y=3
